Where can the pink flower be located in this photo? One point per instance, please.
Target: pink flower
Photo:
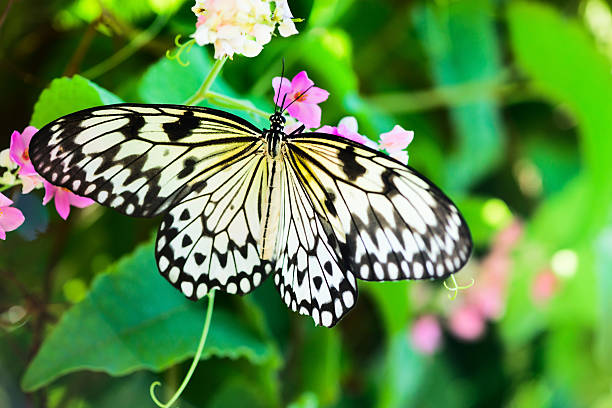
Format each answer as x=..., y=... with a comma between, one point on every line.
x=466, y=322
x=347, y=127
x=19, y=153
x=395, y=141
x=305, y=108
x=64, y=199
x=10, y=218
x=544, y=286
x=426, y=334
x=19, y=150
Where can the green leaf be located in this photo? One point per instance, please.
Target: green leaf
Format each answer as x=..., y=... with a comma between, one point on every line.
x=68, y=95
x=461, y=41
x=132, y=319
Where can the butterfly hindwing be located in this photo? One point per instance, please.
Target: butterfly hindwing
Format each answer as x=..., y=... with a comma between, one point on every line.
x=392, y=222
x=209, y=239
x=310, y=274
x=138, y=159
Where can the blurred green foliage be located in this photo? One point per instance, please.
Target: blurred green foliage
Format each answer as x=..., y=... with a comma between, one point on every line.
x=510, y=104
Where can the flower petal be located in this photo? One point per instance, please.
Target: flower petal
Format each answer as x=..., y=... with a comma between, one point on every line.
x=396, y=139
x=301, y=82
x=315, y=95
x=50, y=191
x=349, y=122
x=307, y=113
x=5, y=201
x=62, y=203
x=400, y=156
x=79, y=201
x=17, y=147
x=281, y=86
x=332, y=130
x=10, y=218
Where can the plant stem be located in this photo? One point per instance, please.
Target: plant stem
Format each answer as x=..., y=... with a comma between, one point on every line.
x=228, y=102
x=196, y=358
x=201, y=93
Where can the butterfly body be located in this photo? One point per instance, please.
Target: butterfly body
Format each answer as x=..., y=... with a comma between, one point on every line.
x=239, y=204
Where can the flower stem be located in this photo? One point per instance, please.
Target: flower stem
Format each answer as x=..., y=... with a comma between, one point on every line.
x=228, y=102
x=194, y=363
x=201, y=93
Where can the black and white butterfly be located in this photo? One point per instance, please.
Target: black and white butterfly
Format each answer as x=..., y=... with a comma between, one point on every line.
x=239, y=204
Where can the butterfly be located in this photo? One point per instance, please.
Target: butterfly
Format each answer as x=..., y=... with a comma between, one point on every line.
x=239, y=204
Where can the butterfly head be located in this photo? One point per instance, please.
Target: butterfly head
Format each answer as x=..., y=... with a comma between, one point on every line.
x=277, y=122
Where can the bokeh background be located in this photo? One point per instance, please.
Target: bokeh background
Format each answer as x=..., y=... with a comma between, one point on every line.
x=511, y=104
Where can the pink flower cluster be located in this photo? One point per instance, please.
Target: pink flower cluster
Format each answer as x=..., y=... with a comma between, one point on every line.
x=11, y=218
x=301, y=99
x=467, y=316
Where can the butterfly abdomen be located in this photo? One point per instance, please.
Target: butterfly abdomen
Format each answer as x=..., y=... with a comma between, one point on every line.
x=271, y=211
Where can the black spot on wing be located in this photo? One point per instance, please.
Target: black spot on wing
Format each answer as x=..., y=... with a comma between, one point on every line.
x=199, y=258
x=133, y=127
x=349, y=165
x=182, y=127
x=184, y=215
x=188, y=167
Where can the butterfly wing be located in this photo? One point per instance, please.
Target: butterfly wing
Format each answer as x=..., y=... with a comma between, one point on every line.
x=200, y=166
x=139, y=159
x=209, y=239
x=310, y=273
x=391, y=222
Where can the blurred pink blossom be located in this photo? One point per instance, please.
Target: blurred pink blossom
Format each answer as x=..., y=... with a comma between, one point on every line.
x=509, y=236
x=347, y=127
x=306, y=96
x=466, y=322
x=544, y=285
x=64, y=199
x=10, y=218
x=426, y=334
x=489, y=299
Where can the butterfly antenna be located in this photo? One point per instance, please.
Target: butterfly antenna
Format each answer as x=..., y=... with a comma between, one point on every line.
x=298, y=97
x=279, y=87
x=283, y=103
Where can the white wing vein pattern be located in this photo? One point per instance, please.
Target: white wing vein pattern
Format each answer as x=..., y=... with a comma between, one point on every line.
x=391, y=222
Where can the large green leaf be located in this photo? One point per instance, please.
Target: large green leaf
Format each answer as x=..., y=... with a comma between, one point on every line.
x=461, y=42
x=133, y=319
x=67, y=95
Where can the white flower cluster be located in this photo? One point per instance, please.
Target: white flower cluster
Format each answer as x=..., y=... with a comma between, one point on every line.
x=241, y=26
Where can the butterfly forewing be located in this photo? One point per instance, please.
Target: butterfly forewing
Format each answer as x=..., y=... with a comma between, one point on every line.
x=392, y=223
x=138, y=159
